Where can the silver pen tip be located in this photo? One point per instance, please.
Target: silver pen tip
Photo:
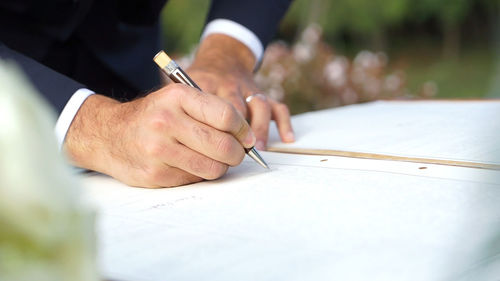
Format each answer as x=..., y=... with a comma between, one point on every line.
x=256, y=156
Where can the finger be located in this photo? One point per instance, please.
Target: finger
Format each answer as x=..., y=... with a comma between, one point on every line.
x=260, y=116
x=234, y=95
x=215, y=144
x=281, y=115
x=216, y=113
x=193, y=162
x=165, y=176
x=160, y=175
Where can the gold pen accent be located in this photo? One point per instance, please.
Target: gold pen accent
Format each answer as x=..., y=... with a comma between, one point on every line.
x=170, y=67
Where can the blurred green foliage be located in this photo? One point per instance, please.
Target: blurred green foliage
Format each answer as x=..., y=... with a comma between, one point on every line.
x=183, y=20
x=449, y=42
x=363, y=16
x=182, y=23
x=470, y=76
x=367, y=16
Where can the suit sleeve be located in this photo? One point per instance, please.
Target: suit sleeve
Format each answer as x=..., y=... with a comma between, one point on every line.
x=55, y=87
x=260, y=16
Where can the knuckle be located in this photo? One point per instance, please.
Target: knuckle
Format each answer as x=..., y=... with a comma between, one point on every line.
x=261, y=103
x=231, y=150
x=157, y=124
x=161, y=121
x=282, y=108
x=196, y=165
x=169, y=93
x=228, y=116
x=225, y=145
x=266, y=105
x=216, y=170
x=176, y=89
x=177, y=93
x=153, y=149
x=202, y=133
x=207, y=168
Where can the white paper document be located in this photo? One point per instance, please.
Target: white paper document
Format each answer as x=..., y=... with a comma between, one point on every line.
x=308, y=218
x=448, y=130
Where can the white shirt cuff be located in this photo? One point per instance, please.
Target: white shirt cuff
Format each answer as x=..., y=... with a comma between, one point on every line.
x=238, y=32
x=69, y=113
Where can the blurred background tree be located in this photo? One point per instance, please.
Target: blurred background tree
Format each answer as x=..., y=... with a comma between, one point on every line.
x=364, y=20
x=182, y=35
x=384, y=48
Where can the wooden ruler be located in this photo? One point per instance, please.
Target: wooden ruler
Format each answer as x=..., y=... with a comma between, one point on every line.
x=376, y=156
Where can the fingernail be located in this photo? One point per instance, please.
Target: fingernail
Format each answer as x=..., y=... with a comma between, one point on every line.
x=249, y=139
x=289, y=137
x=260, y=145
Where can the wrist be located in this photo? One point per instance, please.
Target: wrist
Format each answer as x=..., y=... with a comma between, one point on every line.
x=222, y=52
x=89, y=133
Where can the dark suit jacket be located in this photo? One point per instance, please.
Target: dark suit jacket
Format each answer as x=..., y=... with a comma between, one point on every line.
x=104, y=45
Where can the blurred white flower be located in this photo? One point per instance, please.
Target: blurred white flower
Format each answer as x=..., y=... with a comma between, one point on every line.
x=349, y=96
x=277, y=73
x=302, y=52
x=365, y=59
x=261, y=79
x=310, y=69
x=336, y=72
x=372, y=87
x=370, y=60
x=274, y=53
x=312, y=34
x=277, y=93
x=46, y=231
x=429, y=89
x=358, y=75
x=393, y=82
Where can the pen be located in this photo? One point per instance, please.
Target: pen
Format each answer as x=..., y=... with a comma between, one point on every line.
x=170, y=67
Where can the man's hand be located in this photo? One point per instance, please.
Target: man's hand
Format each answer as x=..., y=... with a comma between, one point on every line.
x=171, y=137
x=224, y=67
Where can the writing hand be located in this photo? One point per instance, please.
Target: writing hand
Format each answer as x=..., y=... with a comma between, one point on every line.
x=174, y=136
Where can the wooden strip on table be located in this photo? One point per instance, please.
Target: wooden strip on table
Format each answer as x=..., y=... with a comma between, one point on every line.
x=363, y=155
